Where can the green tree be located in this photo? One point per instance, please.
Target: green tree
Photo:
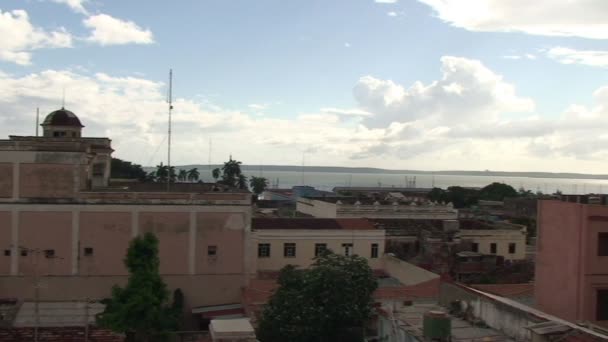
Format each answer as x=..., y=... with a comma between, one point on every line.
x=125, y=169
x=497, y=192
x=182, y=175
x=216, y=173
x=231, y=174
x=141, y=309
x=331, y=301
x=258, y=184
x=193, y=175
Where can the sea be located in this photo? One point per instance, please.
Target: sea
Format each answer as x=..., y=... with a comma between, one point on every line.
x=329, y=180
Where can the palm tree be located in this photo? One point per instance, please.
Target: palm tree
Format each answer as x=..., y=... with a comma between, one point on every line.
x=258, y=184
x=161, y=173
x=216, y=173
x=182, y=175
x=193, y=175
x=241, y=181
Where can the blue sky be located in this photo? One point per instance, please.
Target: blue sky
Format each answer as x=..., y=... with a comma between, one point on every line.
x=429, y=84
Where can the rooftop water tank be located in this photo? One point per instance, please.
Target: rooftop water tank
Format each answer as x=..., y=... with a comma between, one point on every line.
x=436, y=325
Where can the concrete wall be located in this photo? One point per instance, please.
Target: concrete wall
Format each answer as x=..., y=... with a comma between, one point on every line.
x=6, y=179
x=405, y=272
x=511, y=321
x=48, y=180
x=559, y=270
x=107, y=233
x=5, y=242
x=315, y=208
x=501, y=237
x=305, y=241
x=199, y=290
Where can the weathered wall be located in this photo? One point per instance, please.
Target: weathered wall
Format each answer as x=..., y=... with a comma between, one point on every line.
x=172, y=230
x=6, y=180
x=501, y=237
x=40, y=231
x=63, y=334
x=48, y=180
x=5, y=242
x=509, y=320
x=405, y=272
x=558, y=263
x=108, y=233
x=305, y=241
x=316, y=208
x=199, y=290
x=225, y=231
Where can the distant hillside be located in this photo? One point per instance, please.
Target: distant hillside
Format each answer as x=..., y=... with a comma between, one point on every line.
x=339, y=169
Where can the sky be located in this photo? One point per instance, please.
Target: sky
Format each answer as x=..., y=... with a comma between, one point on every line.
x=513, y=85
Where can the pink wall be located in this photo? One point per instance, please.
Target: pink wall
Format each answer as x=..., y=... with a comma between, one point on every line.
x=213, y=230
x=558, y=263
x=46, y=230
x=46, y=180
x=173, y=232
x=5, y=241
x=6, y=179
x=108, y=233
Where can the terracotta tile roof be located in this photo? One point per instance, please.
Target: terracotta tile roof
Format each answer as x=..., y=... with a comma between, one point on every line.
x=507, y=290
x=312, y=223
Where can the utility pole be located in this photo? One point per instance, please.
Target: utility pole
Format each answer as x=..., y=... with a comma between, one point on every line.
x=37, y=119
x=170, y=101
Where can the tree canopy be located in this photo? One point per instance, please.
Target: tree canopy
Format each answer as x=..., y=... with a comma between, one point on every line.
x=231, y=174
x=258, y=184
x=331, y=301
x=141, y=309
x=497, y=192
x=125, y=169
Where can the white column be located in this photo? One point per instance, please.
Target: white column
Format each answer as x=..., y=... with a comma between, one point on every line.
x=134, y=223
x=75, y=240
x=192, y=244
x=16, y=177
x=15, y=252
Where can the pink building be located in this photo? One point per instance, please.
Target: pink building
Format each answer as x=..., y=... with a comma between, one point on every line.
x=63, y=225
x=572, y=260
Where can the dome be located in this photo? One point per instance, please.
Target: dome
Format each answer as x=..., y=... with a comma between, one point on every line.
x=62, y=117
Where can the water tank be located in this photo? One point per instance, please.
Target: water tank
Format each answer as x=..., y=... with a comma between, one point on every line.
x=436, y=325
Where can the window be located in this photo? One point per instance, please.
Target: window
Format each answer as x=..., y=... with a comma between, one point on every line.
x=348, y=248
x=49, y=253
x=512, y=248
x=23, y=252
x=493, y=248
x=289, y=250
x=319, y=248
x=88, y=251
x=263, y=250
x=601, y=305
x=602, y=244
x=374, y=251
x=7, y=252
x=212, y=251
x=475, y=247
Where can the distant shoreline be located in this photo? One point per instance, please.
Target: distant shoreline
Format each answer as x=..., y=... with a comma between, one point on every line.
x=339, y=169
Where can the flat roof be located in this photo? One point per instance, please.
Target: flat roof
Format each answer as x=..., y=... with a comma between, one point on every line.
x=312, y=223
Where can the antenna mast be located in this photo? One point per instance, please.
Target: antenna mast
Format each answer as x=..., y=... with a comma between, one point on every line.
x=170, y=101
x=37, y=119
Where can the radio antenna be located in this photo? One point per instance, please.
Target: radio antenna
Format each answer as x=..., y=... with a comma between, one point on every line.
x=170, y=101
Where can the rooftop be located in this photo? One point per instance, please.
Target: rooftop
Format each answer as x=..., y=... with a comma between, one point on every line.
x=62, y=117
x=311, y=223
x=507, y=290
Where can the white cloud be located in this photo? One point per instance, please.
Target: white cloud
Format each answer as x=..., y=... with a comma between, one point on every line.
x=567, y=18
x=18, y=37
x=258, y=106
x=345, y=112
x=347, y=45
x=511, y=57
x=566, y=55
x=391, y=14
x=467, y=90
x=463, y=120
x=386, y=1
x=76, y=5
x=108, y=30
